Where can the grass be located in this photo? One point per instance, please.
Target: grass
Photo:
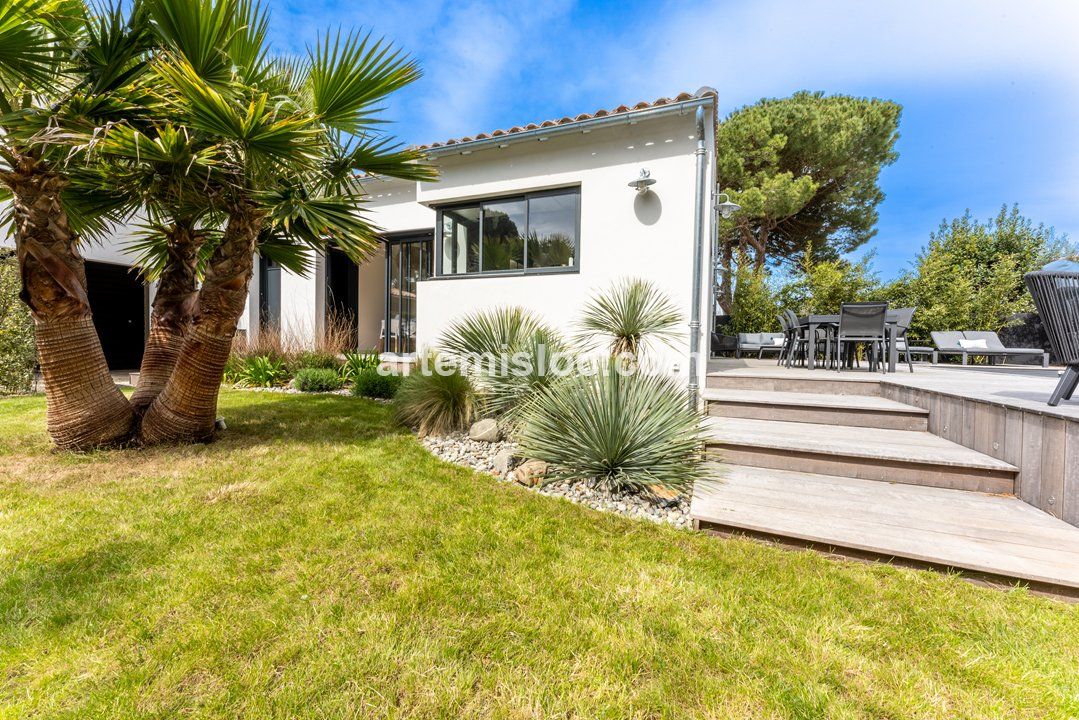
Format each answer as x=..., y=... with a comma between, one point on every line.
x=316, y=562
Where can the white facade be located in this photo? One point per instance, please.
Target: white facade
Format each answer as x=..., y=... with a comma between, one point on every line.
x=622, y=234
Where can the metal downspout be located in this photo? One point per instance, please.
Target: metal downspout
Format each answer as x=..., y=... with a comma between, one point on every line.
x=698, y=259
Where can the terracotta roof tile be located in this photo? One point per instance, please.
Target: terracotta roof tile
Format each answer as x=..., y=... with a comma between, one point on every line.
x=621, y=109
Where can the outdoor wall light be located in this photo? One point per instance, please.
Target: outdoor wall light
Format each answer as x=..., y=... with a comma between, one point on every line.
x=725, y=207
x=643, y=181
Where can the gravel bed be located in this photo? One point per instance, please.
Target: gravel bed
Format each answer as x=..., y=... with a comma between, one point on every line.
x=481, y=457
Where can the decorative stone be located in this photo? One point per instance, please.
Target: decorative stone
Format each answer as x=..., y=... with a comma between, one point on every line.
x=531, y=472
x=503, y=462
x=484, y=431
x=664, y=495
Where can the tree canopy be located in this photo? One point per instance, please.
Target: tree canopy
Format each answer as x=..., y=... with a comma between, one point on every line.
x=805, y=170
x=970, y=275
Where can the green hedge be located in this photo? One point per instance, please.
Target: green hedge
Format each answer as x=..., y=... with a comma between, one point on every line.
x=370, y=383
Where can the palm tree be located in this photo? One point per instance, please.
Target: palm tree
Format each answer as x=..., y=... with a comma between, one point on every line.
x=288, y=141
x=62, y=65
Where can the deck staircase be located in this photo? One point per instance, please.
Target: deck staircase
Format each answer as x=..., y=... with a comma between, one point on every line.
x=829, y=462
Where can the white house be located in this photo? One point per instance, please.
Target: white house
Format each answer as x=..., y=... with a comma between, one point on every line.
x=541, y=216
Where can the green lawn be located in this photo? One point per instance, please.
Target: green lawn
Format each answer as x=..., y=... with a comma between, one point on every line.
x=317, y=562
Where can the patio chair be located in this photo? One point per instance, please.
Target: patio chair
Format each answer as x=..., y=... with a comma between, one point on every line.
x=979, y=343
x=903, y=318
x=800, y=342
x=862, y=323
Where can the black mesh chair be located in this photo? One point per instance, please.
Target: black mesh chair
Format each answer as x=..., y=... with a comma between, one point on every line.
x=903, y=319
x=1056, y=295
x=788, y=338
x=862, y=323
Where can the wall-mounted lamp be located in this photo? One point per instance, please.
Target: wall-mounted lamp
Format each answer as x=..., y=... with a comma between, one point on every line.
x=643, y=181
x=725, y=207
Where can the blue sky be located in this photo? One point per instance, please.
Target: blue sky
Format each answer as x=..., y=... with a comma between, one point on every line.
x=989, y=89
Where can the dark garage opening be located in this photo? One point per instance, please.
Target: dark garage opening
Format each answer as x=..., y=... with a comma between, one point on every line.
x=117, y=299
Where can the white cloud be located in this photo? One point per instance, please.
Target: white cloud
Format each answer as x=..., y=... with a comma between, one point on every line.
x=750, y=49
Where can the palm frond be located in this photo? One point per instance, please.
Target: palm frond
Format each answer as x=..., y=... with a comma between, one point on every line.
x=149, y=248
x=316, y=221
x=28, y=57
x=349, y=73
x=286, y=250
x=113, y=49
x=199, y=31
x=354, y=159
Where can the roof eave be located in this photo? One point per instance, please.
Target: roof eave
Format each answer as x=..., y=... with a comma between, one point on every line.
x=681, y=107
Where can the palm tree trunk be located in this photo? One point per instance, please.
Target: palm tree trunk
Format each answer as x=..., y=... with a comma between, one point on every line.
x=85, y=408
x=170, y=320
x=186, y=408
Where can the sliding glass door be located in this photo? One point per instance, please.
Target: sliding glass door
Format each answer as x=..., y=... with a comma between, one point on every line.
x=408, y=261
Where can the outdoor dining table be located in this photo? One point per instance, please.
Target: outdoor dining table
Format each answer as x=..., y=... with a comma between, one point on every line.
x=812, y=322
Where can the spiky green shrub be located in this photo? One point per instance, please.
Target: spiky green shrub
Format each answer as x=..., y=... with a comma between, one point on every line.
x=628, y=316
x=17, y=353
x=356, y=362
x=508, y=354
x=436, y=399
x=317, y=380
x=623, y=432
x=260, y=371
x=373, y=384
x=490, y=332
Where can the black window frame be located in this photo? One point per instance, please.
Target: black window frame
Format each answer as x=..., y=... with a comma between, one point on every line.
x=439, y=273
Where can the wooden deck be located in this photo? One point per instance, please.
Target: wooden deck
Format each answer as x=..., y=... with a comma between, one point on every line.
x=998, y=536
x=963, y=468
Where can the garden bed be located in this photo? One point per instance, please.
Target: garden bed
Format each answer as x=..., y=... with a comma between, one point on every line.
x=485, y=457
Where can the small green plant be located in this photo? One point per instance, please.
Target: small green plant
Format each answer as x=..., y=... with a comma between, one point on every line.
x=373, y=384
x=624, y=432
x=629, y=315
x=317, y=380
x=436, y=400
x=315, y=359
x=260, y=371
x=356, y=362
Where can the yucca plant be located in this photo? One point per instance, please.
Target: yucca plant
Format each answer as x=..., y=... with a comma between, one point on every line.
x=629, y=315
x=436, y=399
x=623, y=432
x=489, y=332
x=508, y=353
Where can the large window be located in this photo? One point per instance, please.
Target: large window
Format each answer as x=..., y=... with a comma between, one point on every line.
x=531, y=233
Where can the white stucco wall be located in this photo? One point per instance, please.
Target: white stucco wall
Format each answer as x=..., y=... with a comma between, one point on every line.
x=623, y=234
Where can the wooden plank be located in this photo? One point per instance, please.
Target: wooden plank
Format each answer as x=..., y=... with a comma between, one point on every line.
x=870, y=443
x=1051, y=487
x=898, y=528
x=1070, y=502
x=1030, y=464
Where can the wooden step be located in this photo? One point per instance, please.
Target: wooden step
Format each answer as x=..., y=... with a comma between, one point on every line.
x=916, y=458
x=830, y=383
x=997, y=535
x=825, y=409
